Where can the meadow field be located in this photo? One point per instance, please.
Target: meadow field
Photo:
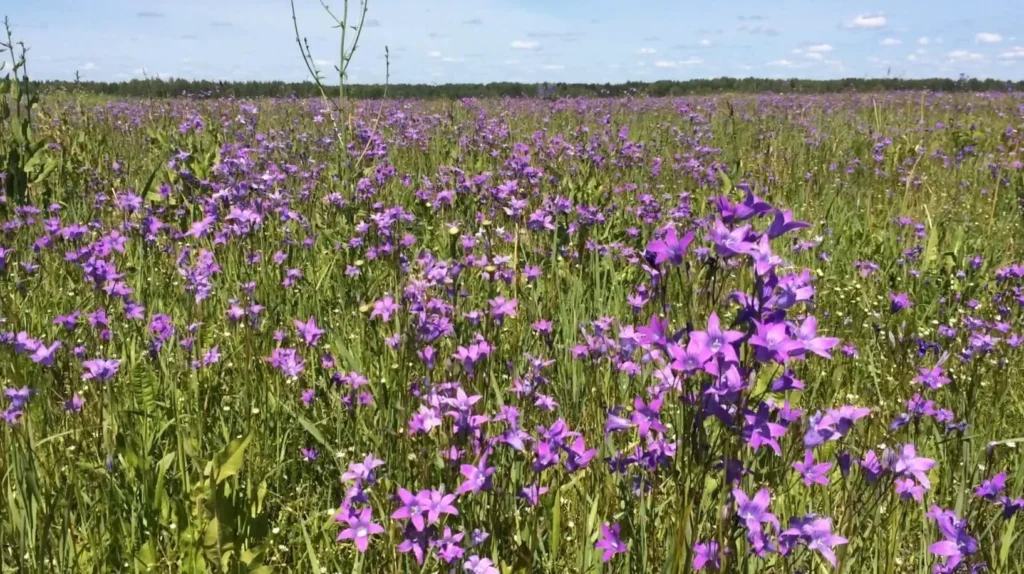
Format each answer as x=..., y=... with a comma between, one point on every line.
x=751, y=333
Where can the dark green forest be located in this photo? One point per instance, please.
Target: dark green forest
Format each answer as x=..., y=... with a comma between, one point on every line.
x=159, y=88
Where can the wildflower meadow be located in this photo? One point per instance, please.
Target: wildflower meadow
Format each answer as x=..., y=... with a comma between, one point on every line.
x=750, y=333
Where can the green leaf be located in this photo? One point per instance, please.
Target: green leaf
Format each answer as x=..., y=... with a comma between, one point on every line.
x=310, y=553
x=231, y=458
x=312, y=430
x=556, y=526
x=146, y=555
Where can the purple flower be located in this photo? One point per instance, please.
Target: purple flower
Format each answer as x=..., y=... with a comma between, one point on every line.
x=990, y=489
x=833, y=425
x=412, y=509
x=74, y=404
x=714, y=341
x=772, y=343
x=478, y=477
x=911, y=465
x=729, y=242
x=532, y=493
x=812, y=473
x=436, y=503
x=872, y=466
x=501, y=308
x=816, y=533
x=754, y=511
x=384, y=308
x=899, y=302
x=448, y=545
x=956, y=543
x=69, y=322
x=308, y=396
x=309, y=332
x=761, y=253
x=934, y=378
x=578, y=456
x=100, y=370
x=44, y=355
x=610, y=542
x=759, y=430
x=416, y=541
x=309, y=454
x=705, y=555
x=784, y=223
x=19, y=397
x=671, y=248
x=287, y=361
x=477, y=565
x=360, y=528
x=362, y=472
x=807, y=335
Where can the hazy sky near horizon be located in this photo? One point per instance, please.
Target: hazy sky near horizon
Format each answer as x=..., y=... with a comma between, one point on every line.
x=441, y=41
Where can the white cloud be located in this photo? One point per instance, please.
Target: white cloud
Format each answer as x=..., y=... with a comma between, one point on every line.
x=511, y=62
x=705, y=42
x=820, y=48
x=891, y=42
x=434, y=54
x=524, y=45
x=814, y=56
x=646, y=51
x=784, y=64
x=964, y=56
x=868, y=22
x=987, y=38
x=912, y=58
x=88, y=66
x=323, y=63
x=923, y=40
x=450, y=59
x=670, y=64
x=1015, y=53
x=553, y=67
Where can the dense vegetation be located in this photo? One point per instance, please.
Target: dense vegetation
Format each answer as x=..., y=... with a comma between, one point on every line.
x=160, y=88
x=773, y=333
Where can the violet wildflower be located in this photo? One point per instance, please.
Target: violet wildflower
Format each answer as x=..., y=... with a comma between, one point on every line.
x=412, y=509
x=705, y=556
x=384, y=308
x=812, y=473
x=956, y=543
x=448, y=546
x=670, y=248
x=991, y=488
x=610, y=542
x=477, y=565
x=478, y=477
x=309, y=331
x=74, y=404
x=899, y=302
x=754, y=511
x=816, y=534
x=287, y=361
x=772, y=343
x=360, y=528
x=308, y=396
x=532, y=493
x=100, y=370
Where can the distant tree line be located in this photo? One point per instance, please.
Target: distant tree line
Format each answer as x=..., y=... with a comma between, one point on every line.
x=174, y=87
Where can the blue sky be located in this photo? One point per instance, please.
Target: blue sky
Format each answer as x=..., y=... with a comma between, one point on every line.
x=440, y=41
